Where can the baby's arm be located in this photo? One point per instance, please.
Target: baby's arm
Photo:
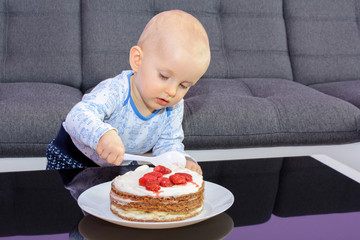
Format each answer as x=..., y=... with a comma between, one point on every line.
x=85, y=122
x=111, y=148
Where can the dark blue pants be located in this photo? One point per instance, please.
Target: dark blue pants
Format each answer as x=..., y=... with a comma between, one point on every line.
x=61, y=153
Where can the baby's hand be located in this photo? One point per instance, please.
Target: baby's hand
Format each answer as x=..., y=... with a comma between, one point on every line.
x=111, y=148
x=193, y=166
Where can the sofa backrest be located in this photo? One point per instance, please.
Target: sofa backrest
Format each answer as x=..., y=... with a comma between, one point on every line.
x=324, y=39
x=247, y=37
x=82, y=42
x=250, y=37
x=40, y=41
x=110, y=29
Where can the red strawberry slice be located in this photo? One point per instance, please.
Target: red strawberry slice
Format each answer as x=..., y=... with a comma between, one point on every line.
x=145, y=178
x=156, y=174
x=177, y=179
x=152, y=185
x=162, y=169
x=187, y=176
x=165, y=182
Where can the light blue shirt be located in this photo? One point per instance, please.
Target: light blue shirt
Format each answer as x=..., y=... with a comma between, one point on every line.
x=110, y=106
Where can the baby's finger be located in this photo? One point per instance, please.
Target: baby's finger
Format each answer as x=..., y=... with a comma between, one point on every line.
x=196, y=168
x=111, y=158
x=99, y=150
x=118, y=160
x=104, y=154
x=199, y=171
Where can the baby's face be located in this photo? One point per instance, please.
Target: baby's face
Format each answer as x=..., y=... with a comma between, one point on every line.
x=174, y=53
x=165, y=75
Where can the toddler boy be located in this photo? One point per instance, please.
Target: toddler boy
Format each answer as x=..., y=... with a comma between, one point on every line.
x=140, y=109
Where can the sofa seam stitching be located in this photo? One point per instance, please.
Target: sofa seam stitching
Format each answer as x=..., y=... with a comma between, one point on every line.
x=278, y=115
x=5, y=40
x=357, y=19
x=81, y=47
x=190, y=113
x=248, y=88
x=222, y=40
x=302, y=55
x=285, y=18
x=287, y=132
x=321, y=19
x=279, y=124
x=327, y=132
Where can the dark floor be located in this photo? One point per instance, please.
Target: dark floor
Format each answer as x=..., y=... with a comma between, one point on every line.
x=345, y=226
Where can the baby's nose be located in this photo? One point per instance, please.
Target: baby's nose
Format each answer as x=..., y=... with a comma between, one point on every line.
x=171, y=90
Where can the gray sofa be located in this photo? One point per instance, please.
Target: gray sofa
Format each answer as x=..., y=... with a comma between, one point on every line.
x=283, y=83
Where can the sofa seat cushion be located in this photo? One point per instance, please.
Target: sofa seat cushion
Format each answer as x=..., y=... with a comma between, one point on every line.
x=31, y=114
x=236, y=113
x=346, y=90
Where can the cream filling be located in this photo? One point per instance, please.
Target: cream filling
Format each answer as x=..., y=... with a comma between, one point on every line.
x=153, y=215
x=120, y=200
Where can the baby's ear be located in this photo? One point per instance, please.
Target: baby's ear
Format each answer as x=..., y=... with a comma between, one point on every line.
x=135, y=57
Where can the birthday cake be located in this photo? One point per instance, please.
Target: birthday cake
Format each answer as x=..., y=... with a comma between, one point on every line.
x=162, y=194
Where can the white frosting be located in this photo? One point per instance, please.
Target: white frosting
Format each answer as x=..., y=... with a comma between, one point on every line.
x=129, y=182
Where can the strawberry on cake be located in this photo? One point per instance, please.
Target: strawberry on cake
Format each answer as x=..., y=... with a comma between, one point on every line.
x=162, y=194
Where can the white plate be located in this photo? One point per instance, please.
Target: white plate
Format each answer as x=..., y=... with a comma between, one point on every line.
x=96, y=202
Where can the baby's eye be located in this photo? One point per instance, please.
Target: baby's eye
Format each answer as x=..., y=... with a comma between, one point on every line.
x=183, y=86
x=163, y=76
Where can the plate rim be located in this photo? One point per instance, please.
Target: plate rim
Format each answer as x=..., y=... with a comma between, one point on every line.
x=156, y=225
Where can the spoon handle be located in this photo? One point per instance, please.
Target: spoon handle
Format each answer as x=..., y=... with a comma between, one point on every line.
x=133, y=157
x=169, y=157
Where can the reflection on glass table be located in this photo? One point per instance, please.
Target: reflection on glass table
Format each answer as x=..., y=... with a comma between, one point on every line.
x=91, y=227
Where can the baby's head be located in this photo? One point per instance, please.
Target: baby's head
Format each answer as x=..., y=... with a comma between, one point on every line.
x=171, y=56
x=177, y=31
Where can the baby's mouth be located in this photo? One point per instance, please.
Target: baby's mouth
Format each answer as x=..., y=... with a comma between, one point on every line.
x=162, y=101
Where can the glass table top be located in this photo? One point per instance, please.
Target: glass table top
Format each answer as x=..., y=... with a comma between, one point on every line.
x=42, y=205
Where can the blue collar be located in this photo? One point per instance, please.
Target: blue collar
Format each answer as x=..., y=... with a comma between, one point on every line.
x=168, y=109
